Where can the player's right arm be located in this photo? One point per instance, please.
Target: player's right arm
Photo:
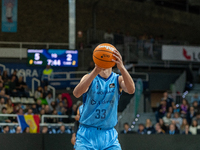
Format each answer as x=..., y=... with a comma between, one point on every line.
x=85, y=82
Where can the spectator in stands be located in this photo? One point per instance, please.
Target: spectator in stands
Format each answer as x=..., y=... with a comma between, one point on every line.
x=49, y=100
x=162, y=125
x=159, y=130
x=184, y=123
x=4, y=118
x=59, y=98
x=5, y=76
x=176, y=128
x=141, y=129
x=20, y=111
x=69, y=99
x=62, y=130
x=59, y=108
x=108, y=37
x=196, y=107
x=172, y=130
x=53, y=105
x=45, y=91
x=6, y=129
x=54, y=120
x=177, y=119
x=195, y=97
x=38, y=93
x=65, y=103
x=161, y=110
x=187, y=132
x=47, y=110
x=184, y=108
x=26, y=130
x=3, y=94
x=46, y=74
x=170, y=101
x=193, y=127
x=167, y=119
x=42, y=112
x=38, y=105
x=29, y=112
x=74, y=109
x=149, y=127
x=44, y=130
x=65, y=112
x=34, y=108
x=18, y=130
x=12, y=87
x=9, y=106
x=15, y=74
x=191, y=115
x=2, y=103
x=21, y=87
x=127, y=129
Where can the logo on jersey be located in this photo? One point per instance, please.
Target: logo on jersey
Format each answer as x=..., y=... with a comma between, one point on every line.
x=93, y=102
x=112, y=85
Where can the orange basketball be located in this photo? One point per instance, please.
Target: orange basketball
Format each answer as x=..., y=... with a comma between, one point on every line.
x=103, y=55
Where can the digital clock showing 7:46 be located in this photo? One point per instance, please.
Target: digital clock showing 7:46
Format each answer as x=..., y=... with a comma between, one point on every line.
x=53, y=57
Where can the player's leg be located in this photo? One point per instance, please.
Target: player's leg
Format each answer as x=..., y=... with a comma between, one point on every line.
x=114, y=146
x=82, y=148
x=112, y=140
x=83, y=139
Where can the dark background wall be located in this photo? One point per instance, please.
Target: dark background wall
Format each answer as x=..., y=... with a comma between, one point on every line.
x=47, y=21
x=128, y=142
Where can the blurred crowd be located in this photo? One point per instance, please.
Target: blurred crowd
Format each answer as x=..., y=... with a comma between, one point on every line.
x=148, y=44
x=172, y=119
x=45, y=104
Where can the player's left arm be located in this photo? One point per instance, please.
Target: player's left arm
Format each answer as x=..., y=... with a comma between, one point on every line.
x=125, y=80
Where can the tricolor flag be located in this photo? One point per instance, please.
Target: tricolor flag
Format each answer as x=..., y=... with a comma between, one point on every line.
x=31, y=121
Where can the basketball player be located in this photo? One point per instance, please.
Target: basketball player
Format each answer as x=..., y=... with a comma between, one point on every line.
x=101, y=90
x=76, y=124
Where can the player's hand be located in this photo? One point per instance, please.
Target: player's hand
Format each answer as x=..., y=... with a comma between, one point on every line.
x=118, y=60
x=97, y=69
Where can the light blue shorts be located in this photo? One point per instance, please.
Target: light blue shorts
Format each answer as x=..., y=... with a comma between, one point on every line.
x=90, y=138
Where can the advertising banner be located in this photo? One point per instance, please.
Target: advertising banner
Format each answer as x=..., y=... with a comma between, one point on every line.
x=9, y=16
x=181, y=53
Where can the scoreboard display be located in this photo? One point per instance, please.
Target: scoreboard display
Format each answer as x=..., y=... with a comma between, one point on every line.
x=53, y=57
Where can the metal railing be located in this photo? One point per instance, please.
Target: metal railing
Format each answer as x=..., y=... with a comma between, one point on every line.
x=42, y=120
x=3, y=66
x=68, y=75
x=56, y=124
x=33, y=84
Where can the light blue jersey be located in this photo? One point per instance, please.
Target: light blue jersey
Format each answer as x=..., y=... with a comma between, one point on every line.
x=100, y=102
x=80, y=109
